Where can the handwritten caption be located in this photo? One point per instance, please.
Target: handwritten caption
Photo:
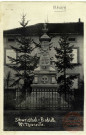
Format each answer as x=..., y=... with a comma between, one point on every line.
x=58, y=8
x=34, y=122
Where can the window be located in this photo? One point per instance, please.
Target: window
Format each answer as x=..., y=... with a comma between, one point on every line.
x=72, y=39
x=11, y=39
x=11, y=53
x=76, y=56
x=75, y=81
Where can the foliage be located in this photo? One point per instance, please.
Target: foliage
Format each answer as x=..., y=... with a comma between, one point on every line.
x=25, y=62
x=64, y=56
x=7, y=80
x=78, y=103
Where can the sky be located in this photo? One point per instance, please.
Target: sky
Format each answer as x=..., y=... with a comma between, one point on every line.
x=37, y=12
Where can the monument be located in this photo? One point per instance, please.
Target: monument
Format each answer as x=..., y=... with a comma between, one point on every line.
x=45, y=76
x=44, y=93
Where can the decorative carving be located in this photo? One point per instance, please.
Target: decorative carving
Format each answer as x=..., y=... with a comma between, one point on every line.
x=36, y=79
x=44, y=79
x=45, y=61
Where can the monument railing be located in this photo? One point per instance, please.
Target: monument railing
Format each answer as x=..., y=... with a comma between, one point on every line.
x=45, y=98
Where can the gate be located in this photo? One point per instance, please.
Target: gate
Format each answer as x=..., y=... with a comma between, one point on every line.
x=44, y=98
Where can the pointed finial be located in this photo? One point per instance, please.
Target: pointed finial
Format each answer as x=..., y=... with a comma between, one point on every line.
x=45, y=25
x=45, y=28
x=45, y=37
x=47, y=19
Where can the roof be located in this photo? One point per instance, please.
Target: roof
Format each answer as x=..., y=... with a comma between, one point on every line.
x=58, y=28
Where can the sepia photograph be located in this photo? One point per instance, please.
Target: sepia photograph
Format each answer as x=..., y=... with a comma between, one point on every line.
x=43, y=47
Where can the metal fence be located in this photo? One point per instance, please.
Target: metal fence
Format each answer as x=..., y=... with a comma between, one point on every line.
x=9, y=98
x=44, y=98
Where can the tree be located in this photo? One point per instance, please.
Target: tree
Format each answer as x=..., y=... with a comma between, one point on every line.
x=25, y=61
x=64, y=56
x=7, y=80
